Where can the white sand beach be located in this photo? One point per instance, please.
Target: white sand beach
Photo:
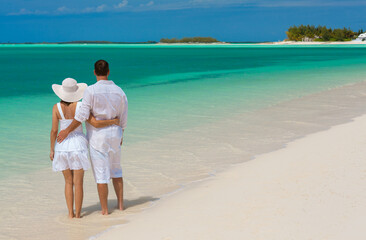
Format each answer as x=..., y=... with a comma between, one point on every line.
x=314, y=188
x=280, y=193
x=267, y=43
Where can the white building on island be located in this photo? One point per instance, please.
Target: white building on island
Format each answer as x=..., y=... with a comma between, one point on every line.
x=362, y=37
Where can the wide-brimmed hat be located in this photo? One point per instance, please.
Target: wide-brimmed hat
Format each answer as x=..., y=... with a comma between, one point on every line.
x=70, y=90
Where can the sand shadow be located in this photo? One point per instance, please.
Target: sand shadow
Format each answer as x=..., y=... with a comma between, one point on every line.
x=128, y=203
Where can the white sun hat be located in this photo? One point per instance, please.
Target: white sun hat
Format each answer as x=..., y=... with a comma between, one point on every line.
x=70, y=90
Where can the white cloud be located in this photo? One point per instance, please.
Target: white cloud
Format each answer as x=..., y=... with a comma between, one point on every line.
x=24, y=11
x=100, y=8
x=121, y=4
x=309, y=3
x=256, y=3
x=64, y=10
x=150, y=5
x=147, y=4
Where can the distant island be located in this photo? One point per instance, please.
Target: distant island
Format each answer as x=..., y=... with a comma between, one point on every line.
x=190, y=40
x=310, y=33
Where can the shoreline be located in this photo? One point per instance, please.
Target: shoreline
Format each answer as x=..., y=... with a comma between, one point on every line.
x=313, y=190
x=184, y=192
x=286, y=126
x=176, y=135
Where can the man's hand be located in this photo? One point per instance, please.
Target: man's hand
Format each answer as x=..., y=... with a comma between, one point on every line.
x=62, y=135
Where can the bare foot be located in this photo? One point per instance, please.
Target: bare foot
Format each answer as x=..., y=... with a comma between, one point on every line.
x=71, y=215
x=77, y=216
x=104, y=212
x=120, y=207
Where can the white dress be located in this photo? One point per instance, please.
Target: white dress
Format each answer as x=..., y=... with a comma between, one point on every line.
x=71, y=153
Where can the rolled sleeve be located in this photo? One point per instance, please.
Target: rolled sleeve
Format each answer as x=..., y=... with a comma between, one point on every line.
x=83, y=112
x=124, y=113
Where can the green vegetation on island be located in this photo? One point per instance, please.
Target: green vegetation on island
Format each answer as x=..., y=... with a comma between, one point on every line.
x=190, y=40
x=310, y=33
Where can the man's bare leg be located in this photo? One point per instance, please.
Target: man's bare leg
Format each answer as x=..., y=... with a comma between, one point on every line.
x=103, y=197
x=69, y=194
x=118, y=188
x=79, y=192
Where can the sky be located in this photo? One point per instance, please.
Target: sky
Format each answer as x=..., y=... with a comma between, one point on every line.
x=144, y=20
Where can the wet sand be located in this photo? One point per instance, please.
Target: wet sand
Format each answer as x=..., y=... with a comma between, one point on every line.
x=34, y=205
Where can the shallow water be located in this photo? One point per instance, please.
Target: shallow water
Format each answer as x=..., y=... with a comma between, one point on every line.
x=192, y=111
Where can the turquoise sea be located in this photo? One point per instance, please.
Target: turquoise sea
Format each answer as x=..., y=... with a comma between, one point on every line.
x=174, y=92
x=169, y=88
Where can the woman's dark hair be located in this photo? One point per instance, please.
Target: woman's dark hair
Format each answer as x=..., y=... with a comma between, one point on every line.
x=66, y=103
x=101, y=68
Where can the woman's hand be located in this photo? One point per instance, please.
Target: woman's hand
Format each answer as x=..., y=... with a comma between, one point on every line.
x=116, y=121
x=52, y=154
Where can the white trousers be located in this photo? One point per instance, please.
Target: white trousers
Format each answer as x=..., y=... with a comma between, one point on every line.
x=106, y=165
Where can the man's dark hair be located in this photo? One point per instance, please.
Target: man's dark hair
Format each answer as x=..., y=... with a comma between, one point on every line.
x=101, y=68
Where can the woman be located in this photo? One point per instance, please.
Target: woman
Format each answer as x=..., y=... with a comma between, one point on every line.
x=71, y=155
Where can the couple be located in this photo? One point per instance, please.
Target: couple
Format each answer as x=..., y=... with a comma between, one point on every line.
x=104, y=108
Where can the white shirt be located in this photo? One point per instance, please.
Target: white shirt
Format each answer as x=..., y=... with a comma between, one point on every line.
x=105, y=100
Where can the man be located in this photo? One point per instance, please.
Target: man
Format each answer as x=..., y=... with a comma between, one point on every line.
x=104, y=100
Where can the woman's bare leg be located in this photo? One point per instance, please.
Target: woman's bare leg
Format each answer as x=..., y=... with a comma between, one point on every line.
x=79, y=191
x=69, y=195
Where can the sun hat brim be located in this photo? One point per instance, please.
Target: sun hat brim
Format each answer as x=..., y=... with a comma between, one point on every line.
x=70, y=96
